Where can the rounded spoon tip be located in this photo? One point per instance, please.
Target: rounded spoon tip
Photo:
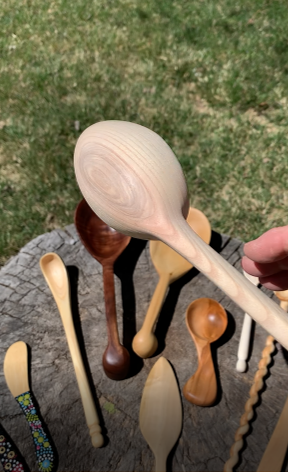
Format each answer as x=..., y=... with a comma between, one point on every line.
x=241, y=365
x=144, y=346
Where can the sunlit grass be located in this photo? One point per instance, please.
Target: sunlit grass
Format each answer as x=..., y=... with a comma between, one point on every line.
x=210, y=77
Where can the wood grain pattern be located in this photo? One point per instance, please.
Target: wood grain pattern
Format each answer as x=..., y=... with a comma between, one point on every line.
x=56, y=277
x=132, y=180
x=206, y=321
x=170, y=267
x=105, y=245
x=160, y=416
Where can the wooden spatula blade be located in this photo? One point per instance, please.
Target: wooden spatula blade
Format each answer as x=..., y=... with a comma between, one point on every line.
x=16, y=368
x=161, y=410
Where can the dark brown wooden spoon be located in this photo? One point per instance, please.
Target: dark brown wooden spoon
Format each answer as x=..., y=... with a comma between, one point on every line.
x=105, y=245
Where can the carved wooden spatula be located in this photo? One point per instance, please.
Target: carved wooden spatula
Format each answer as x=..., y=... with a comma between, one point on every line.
x=161, y=412
x=16, y=376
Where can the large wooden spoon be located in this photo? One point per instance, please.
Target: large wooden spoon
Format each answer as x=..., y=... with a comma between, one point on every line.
x=16, y=376
x=160, y=416
x=105, y=245
x=56, y=277
x=170, y=267
x=206, y=321
x=133, y=181
x=274, y=455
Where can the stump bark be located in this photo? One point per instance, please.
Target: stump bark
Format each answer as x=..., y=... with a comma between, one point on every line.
x=29, y=313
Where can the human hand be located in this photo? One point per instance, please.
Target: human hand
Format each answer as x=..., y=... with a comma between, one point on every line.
x=267, y=258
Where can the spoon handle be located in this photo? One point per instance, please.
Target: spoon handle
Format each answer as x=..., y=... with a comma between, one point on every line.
x=145, y=342
x=110, y=307
x=243, y=348
x=91, y=416
x=160, y=465
x=252, y=301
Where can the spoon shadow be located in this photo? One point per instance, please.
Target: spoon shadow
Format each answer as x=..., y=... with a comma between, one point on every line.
x=226, y=336
x=124, y=268
x=73, y=275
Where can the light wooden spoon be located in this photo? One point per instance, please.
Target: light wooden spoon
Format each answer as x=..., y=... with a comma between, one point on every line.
x=274, y=455
x=170, y=267
x=160, y=416
x=206, y=321
x=56, y=277
x=132, y=180
x=16, y=376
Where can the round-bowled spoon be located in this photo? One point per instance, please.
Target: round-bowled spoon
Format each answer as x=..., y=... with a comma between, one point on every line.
x=133, y=181
x=206, y=321
x=170, y=267
x=105, y=245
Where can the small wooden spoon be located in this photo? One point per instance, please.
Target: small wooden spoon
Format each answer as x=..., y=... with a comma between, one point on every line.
x=16, y=376
x=160, y=416
x=56, y=277
x=206, y=321
x=105, y=245
x=274, y=455
x=170, y=267
x=131, y=178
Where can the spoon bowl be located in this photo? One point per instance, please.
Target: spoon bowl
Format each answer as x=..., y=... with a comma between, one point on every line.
x=133, y=181
x=206, y=321
x=105, y=244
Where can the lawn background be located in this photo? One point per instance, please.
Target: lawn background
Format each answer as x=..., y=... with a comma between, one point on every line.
x=210, y=77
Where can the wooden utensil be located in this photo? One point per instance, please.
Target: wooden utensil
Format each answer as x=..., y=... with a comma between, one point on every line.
x=10, y=457
x=160, y=416
x=105, y=245
x=132, y=180
x=206, y=321
x=274, y=455
x=16, y=376
x=170, y=267
x=56, y=277
x=243, y=348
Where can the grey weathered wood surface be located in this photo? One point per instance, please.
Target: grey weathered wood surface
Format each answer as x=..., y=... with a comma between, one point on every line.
x=29, y=313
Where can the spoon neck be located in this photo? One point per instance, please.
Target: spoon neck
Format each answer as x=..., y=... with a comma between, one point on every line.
x=160, y=465
x=156, y=303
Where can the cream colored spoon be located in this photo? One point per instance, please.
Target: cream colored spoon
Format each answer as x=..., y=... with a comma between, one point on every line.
x=16, y=376
x=170, y=267
x=274, y=455
x=56, y=277
x=160, y=416
x=133, y=181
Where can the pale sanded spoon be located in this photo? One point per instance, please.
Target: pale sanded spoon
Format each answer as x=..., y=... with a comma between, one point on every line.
x=16, y=376
x=206, y=321
x=160, y=415
x=170, y=267
x=105, y=245
x=56, y=277
x=133, y=181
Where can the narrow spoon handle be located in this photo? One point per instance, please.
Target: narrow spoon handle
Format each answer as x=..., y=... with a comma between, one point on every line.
x=160, y=465
x=110, y=307
x=261, y=308
x=145, y=342
x=244, y=343
x=91, y=415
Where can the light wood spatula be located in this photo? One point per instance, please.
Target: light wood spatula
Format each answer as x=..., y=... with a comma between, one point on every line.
x=16, y=376
x=161, y=412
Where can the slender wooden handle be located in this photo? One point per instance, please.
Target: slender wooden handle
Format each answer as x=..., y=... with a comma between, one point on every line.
x=243, y=348
x=91, y=416
x=145, y=342
x=261, y=308
x=160, y=465
x=110, y=307
x=272, y=460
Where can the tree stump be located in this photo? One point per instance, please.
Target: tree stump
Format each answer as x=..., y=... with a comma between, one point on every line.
x=29, y=313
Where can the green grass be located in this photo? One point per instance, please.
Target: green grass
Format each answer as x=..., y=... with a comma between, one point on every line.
x=210, y=77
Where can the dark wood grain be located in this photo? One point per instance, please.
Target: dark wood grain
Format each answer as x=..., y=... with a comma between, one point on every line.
x=105, y=245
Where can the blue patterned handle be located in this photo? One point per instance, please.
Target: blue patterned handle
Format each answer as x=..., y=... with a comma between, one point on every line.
x=11, y=460
x=44, y=451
